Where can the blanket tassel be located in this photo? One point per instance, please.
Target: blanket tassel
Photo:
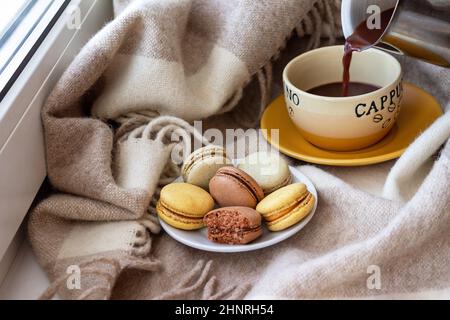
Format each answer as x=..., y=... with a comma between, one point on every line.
x=208, y=285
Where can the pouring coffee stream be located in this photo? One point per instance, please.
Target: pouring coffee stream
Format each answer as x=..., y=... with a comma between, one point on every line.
x=415, y=28
x=362, y=38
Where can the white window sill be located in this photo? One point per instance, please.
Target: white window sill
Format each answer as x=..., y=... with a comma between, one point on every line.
x=25, y=280
x=22, y=156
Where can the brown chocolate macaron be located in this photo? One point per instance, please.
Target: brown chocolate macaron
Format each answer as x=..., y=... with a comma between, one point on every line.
x=233, y=225
x=233, y=187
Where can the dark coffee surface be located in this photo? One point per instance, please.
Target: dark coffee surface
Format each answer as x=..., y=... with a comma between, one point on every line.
x=361, y=38
x=335, y=89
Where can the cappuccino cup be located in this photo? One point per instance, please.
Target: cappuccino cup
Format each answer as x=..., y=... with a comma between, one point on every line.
x=343, y=123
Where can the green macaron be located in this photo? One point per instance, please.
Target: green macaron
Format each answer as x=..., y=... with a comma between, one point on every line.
x=268, y=169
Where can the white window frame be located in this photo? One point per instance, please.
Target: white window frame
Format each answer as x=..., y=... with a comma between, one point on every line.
x=22, y=155
x=38, y=18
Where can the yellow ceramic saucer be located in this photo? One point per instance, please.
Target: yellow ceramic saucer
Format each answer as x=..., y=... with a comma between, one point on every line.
x=419, y=110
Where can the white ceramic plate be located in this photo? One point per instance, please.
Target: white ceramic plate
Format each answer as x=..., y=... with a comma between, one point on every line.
x=199, y=239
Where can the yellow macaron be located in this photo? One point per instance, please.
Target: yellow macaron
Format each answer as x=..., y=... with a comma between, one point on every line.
x=286, y=206
x=183, y=205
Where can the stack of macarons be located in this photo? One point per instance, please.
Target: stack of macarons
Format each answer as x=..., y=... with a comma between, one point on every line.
x=232, y=201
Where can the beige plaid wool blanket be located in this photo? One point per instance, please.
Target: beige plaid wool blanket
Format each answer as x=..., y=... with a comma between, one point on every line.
x=124, y=109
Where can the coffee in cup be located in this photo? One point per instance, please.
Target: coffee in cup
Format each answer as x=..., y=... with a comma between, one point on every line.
x=312, y=82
